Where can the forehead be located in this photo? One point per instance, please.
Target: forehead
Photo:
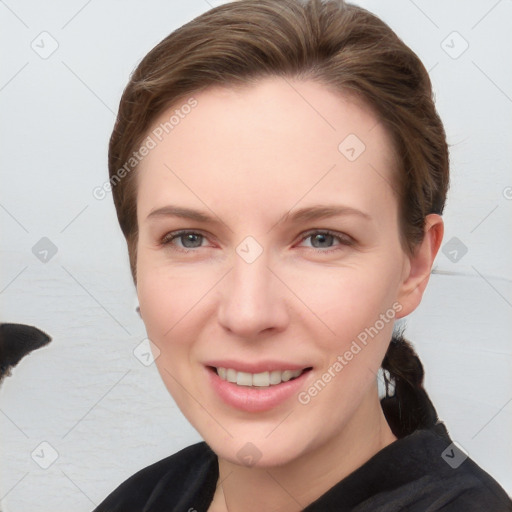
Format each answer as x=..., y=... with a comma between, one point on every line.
x=280, y=140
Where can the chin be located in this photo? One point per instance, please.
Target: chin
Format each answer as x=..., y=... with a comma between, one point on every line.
x=252, y=448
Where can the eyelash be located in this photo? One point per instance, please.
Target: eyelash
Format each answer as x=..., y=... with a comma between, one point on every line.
x=344, y=240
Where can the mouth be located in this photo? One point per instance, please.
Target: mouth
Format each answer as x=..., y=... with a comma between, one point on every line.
x=257, y=392
x=257, y=380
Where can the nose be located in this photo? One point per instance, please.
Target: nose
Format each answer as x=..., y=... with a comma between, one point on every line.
x=252, y=299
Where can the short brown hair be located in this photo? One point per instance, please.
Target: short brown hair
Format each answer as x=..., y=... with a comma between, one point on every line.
x=340, y=45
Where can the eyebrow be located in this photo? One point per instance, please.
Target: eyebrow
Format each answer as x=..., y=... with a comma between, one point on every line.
x=303, y=214
x=322, y=212
x=183, y=213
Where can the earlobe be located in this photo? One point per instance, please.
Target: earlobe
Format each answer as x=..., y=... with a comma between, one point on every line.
x=420, y=265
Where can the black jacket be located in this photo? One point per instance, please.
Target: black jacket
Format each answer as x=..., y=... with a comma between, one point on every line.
x=422, y=472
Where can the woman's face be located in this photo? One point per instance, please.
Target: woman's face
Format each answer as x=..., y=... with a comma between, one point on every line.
x=291, y=261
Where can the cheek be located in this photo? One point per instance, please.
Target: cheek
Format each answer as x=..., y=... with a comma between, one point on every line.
x=357, y=306
x=170, y=298
x=166, y=304
x=348, y=299
x=163, y=300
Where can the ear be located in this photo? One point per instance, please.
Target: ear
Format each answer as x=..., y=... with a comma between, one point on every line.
x=417, y=271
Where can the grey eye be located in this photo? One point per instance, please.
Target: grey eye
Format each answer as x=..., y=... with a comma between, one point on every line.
x=323, y=239
x=191, y=240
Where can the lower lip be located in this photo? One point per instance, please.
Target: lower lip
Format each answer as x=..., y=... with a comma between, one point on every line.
x=255, y=399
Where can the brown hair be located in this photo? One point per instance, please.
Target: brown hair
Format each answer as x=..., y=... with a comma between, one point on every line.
x=340, y=45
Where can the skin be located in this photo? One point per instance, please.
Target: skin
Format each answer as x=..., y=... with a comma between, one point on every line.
x=248, y=156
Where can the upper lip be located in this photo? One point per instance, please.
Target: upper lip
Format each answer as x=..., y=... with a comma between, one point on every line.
x=256, y=366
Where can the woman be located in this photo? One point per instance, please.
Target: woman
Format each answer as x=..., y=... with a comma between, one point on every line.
x=279, y=172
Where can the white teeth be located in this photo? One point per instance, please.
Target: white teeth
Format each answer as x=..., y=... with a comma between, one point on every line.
x=244, y=379
x=275, y=377
x=263, y=379
x=286, y=376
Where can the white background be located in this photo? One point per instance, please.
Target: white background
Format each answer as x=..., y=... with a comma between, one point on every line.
x=104, y=413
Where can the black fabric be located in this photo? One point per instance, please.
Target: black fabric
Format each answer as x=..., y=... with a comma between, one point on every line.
x=407, y=475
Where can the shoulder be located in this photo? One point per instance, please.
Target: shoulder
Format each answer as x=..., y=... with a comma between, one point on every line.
x=444, y=477
x=422, y=471
x=189, y=468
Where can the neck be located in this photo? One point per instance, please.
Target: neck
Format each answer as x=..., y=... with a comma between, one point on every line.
x=296, y=484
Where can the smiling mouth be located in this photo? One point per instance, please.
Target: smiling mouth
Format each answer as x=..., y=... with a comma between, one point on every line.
x=263, y=379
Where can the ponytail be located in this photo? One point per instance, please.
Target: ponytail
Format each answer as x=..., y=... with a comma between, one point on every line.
x=409, y=408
